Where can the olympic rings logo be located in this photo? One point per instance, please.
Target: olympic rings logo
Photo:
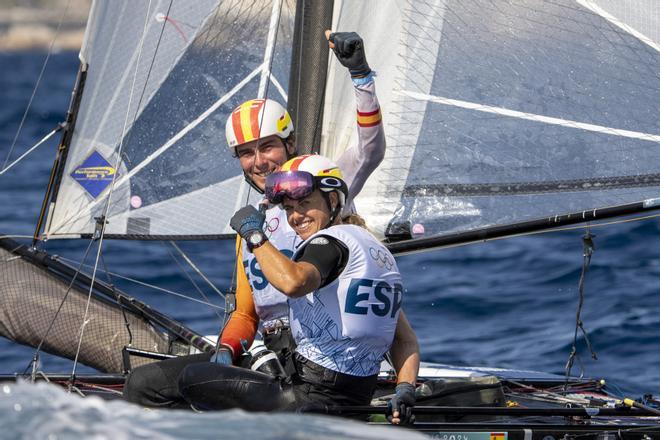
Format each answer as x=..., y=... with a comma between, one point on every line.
x=381, y=258
x=272, y=225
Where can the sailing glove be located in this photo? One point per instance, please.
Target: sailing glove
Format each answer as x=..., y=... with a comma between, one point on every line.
x=349, y=49
x=222, y=356
x=247, y=220
x=403, y=401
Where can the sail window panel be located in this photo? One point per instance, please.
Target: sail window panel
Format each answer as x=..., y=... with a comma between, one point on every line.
x=174, y=158
x=449, y=215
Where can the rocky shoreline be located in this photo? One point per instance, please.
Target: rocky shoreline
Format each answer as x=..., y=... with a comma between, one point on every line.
x=34, y=27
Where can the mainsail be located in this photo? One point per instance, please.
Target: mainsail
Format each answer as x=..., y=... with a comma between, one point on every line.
x=504, y=113
x=149, y=141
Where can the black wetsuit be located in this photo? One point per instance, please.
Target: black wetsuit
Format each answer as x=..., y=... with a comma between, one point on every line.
x=156, y=384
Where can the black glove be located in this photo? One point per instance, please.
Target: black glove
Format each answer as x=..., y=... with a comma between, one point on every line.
x=222, y=356
x=349, y=49
x=247, y=220
x=403, y=401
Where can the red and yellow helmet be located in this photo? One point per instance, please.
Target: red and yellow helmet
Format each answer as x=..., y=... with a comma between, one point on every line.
x=257, y=119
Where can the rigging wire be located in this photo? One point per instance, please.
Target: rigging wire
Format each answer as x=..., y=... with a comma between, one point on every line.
x=36, y=86
x=34, y=147
x=200, y=291
x=150, y=286
x=196, y=269
x=250, y=188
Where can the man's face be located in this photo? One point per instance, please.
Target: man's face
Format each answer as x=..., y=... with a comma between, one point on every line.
x=262, y=157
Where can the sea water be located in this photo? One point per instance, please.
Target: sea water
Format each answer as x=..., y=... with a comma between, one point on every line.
x=44, y=411
x=509, y=303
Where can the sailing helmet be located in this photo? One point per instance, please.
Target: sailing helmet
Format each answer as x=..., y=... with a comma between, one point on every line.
x=300, y=176
x=257, y=119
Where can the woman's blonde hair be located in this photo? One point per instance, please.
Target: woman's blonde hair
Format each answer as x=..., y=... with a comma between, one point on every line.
x=354, y=219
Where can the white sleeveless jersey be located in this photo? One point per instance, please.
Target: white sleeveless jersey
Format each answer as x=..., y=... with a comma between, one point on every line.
x=269, y=302
x=348, y=325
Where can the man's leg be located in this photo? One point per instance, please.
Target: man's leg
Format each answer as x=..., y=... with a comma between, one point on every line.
x=155, y=384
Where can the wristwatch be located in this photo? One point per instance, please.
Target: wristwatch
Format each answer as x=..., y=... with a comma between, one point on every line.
x=255, y=239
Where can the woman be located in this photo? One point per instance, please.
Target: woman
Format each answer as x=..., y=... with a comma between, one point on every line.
x=344, y=293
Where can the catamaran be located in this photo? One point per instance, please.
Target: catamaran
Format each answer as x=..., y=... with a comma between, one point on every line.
x=502, y=118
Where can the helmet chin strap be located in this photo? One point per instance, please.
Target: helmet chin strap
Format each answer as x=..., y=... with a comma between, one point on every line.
x=250, y=182
x=333, y=211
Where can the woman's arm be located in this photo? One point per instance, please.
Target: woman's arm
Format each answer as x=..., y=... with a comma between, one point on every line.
x=405, y=351
x=292, y=278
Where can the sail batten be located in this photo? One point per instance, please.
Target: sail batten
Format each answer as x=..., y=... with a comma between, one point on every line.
x=532, y=117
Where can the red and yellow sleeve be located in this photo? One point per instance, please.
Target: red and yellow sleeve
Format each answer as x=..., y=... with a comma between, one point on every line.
x=244, y=320
x=369, y=119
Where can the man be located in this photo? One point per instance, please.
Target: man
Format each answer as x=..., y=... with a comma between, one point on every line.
x=260, y=133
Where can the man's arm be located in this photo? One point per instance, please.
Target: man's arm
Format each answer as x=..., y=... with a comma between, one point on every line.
x=244, y=320
x=358, y=162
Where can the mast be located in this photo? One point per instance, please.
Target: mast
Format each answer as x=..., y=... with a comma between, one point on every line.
x=62, y=149
x=309, y=66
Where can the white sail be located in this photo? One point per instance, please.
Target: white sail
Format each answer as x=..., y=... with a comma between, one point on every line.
x=497, y=113
x=162, y=77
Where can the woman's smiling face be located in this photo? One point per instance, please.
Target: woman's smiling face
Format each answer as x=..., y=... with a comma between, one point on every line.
x=309, y=215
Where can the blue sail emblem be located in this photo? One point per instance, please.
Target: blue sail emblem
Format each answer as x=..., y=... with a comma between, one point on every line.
x=94, y=174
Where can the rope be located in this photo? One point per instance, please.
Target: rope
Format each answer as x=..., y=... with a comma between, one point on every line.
x=35, y=357
x=202, y=294
x=588, y=250
x=111, y=284
x=197, y=270
x=250, y=188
